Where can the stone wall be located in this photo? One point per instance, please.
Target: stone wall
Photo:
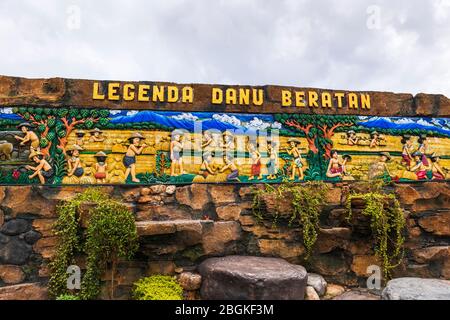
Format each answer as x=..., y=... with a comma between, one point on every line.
x=181, y=226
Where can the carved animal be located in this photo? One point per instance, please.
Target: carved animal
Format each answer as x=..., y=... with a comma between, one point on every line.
x=6, y=150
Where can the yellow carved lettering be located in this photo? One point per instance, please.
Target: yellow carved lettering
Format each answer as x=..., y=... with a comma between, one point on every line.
x=96, y=95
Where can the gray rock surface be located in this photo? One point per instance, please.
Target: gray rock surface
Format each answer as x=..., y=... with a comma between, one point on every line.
x=252, y=278
x=318, y=283
x=416, y=289
x=15, y=227
x=357, y=295
x=14, y=251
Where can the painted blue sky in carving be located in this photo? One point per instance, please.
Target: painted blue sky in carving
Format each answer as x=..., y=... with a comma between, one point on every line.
x=251, y=122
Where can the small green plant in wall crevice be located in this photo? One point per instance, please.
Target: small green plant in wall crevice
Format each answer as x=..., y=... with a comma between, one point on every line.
x=306, y=200
x=387, y=223
x=110, y=235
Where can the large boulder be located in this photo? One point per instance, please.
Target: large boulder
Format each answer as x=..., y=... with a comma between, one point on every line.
x=416, y=289
x=252, y=278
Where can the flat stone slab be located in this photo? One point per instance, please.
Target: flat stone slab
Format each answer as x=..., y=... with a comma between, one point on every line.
x=357, y=295
x=416, y=289
x=252, y=278
x=151, y=228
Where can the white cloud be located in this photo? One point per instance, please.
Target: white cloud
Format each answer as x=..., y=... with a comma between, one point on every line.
x=276, y=125
x=185, y=116
x=6, y=110
x=326, y=44
x=404, y=121
x=423, y=122
x=257, y=124
x=132, y=113
x=227, y=119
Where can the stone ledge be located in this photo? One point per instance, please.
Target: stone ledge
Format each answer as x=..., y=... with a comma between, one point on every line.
x=151, y=228
x=25, y=291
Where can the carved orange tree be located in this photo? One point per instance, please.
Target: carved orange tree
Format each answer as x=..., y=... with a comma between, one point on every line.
x=54, y=125
x=318, y=131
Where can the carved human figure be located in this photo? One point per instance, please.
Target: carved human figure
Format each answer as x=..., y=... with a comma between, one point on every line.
x=407, y=150
x=228, y=142
x=423, y=148
x=206, y=168
x=336, y=167
x=74, y=164
x=296, y=165
x=255, y=156
x=97, y=135
x=352, y=138
x=101, y=167
x=43, y=170
x=230, y=164
x=436, y=170
x=30, y=136
x=79, y=138
x=129, y=160
x=207, y=141
x=379, y=169
x=374, y=139
x=176, y=153
x=419, y=168
x=273, y=164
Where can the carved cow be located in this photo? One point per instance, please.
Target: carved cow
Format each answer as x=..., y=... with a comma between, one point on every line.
x=6, y=150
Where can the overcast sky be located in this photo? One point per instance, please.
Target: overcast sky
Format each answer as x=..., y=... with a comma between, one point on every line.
x=379, y=45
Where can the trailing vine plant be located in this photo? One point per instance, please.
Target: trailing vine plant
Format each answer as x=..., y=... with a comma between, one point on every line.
x=307, y=200
x=387, y=223
x=110, y=235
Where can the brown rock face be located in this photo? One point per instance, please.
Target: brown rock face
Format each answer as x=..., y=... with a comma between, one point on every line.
x=279, y=248
x=229, y=212
x=252, y=278
x=44, y=226
x=334, y=196
x=329, y=264
x=160, y=267
x=437, y=224
x=216, y=238
x=407, y=194
x=2, y=217
x=222, y=194
x=11, y=274
x=162, y=212
x=71, y=92
x=361, y=263
x=24, y=200
x=26, y=291
x=194, y=196
x=332, y=238
x=46, y=247
x=426, y=255
x=2, y=193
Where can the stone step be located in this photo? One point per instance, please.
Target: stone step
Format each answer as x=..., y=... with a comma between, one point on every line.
x=151, y=228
